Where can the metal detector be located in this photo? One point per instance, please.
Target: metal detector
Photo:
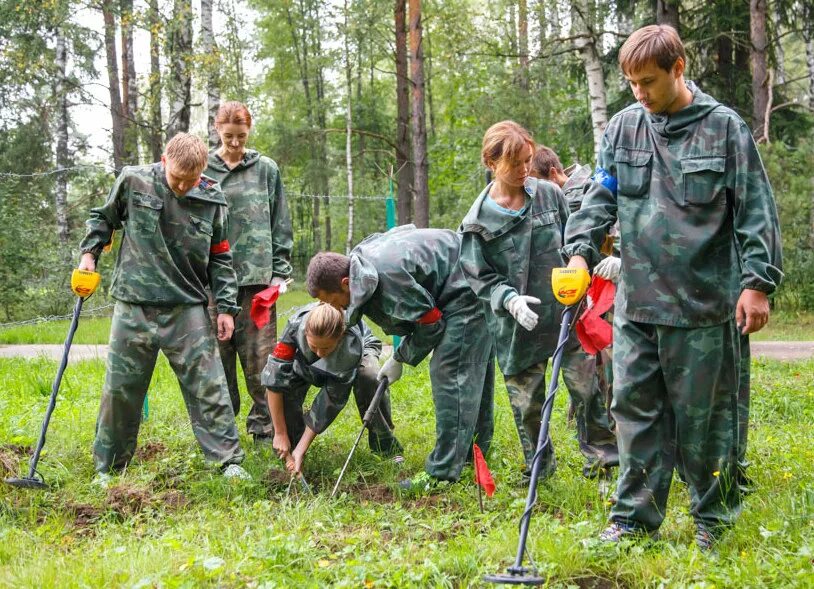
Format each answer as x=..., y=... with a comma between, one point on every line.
x=517, y=574
x=371, y=411
x=34, y=480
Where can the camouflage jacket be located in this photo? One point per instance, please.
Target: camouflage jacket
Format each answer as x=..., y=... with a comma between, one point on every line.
x=173, y=247
x=503, y=256
x=407, y=281
x=574, y=188
x=696, y=214
x=259, y=222
x=293, y=364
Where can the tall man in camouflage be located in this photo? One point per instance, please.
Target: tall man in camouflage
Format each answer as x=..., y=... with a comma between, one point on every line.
x=174, y=246
x=261, y=239
x=700, y=249
x=409, y=282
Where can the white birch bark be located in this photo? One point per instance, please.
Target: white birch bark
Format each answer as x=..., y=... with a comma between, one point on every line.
x=348, y=130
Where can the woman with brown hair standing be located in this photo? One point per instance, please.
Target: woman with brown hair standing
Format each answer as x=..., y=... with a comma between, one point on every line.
x=260, y=238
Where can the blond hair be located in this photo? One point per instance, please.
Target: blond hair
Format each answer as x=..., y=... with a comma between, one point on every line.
x=502, y=145
x=187, y=152
x=659, y=44
x=325, y=321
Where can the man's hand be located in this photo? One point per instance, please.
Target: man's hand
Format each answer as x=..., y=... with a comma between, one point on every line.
x=391, y=370
x=519, y=308
x=226, y=326
x=577, y=262
x=279, y=282
x=752, y=311
x=87, y=262
x=281, y=445
x=294, y=462
x=609, y=268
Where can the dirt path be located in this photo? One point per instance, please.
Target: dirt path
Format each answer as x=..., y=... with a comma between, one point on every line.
x=770, y=350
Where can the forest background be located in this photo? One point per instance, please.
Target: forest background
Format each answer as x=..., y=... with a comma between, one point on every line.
x=358, y=99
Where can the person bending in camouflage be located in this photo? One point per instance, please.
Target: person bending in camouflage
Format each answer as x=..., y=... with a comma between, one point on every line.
x=700, y=251
x=316, y=349
x=174, y=246
x=409, y=281
x=261, y=239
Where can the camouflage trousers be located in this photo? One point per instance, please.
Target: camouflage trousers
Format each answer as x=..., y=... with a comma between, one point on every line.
x=184, y=333
x=252, y=347
x=527, y=393
x=744, y=395
x=462, y=375
x=675, y=401
x=327, y=406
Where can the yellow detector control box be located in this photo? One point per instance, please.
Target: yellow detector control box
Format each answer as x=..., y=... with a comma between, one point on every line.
x=83, y=283
x=569, y=284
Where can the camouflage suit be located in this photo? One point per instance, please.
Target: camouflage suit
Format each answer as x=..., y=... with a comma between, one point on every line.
x=261, y=240
x=503, y=255
x=410, y=283
x=172, y=250
x=698, y=225
x=293, y=368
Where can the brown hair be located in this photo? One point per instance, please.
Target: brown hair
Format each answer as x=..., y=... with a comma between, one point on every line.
x=325, y=272
x=234, y=113
x=187, y=152
x=654, y=43
x=325, y=321
x=502, y=145
x=543, y=161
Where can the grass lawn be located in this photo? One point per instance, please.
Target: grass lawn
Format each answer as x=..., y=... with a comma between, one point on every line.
x=171, y=521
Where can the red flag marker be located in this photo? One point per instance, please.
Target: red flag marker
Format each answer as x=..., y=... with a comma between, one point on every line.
x=261, y=305
x=483, y=476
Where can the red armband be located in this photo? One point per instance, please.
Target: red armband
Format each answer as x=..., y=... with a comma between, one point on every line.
x=220, y=248
x=430, y=317
x=284, y=351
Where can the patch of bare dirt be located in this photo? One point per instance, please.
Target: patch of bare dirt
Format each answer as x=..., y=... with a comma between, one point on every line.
x=150, y=451
x=128, y=500
x=595, y=583
x=10, y=456
x=83, y=514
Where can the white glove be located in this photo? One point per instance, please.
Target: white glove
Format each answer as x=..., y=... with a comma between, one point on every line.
x=589, y=302
x=519, y=308
x=609, y=268
x=391, y=370
x=281, y=282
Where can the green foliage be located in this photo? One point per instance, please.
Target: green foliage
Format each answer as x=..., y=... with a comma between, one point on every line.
x=173, y=522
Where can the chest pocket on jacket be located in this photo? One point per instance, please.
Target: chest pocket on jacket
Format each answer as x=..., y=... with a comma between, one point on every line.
x=633, y=168
x=201, y=225
x=145, y=212
x=703, y=180
x=546, y=233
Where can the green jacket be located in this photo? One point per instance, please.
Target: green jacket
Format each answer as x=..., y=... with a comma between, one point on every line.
x=503, y=256
x=574, y=188
x=409, y=282
x=696, y=214
x=299, y=366
x=259, y=221
x=173, y=248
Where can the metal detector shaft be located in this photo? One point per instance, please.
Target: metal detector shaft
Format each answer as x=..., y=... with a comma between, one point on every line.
x=542, y=440
x=32, y=468
x=371, y=411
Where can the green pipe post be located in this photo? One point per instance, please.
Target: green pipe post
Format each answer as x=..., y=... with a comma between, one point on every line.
x=390, y=217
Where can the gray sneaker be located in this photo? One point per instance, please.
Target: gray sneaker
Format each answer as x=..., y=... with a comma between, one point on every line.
x=235, y=471
x=102, y=480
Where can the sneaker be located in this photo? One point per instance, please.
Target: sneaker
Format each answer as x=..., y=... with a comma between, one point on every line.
x=616, y=532
x=422, y=483
x=398, y=460
x=235, y=471
x=102, y=480
x=705, y=538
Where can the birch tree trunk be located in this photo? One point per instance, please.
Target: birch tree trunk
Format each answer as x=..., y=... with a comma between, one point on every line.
x=117, y=126
x=129, y=84
x=348, y=138
x=761, y=78
x=808, y=37
x=404, y=166
x=421, y=166
x=179, y=39
x=62, y=156
x=586, y=45
x=212, y=67
x=156, y=125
